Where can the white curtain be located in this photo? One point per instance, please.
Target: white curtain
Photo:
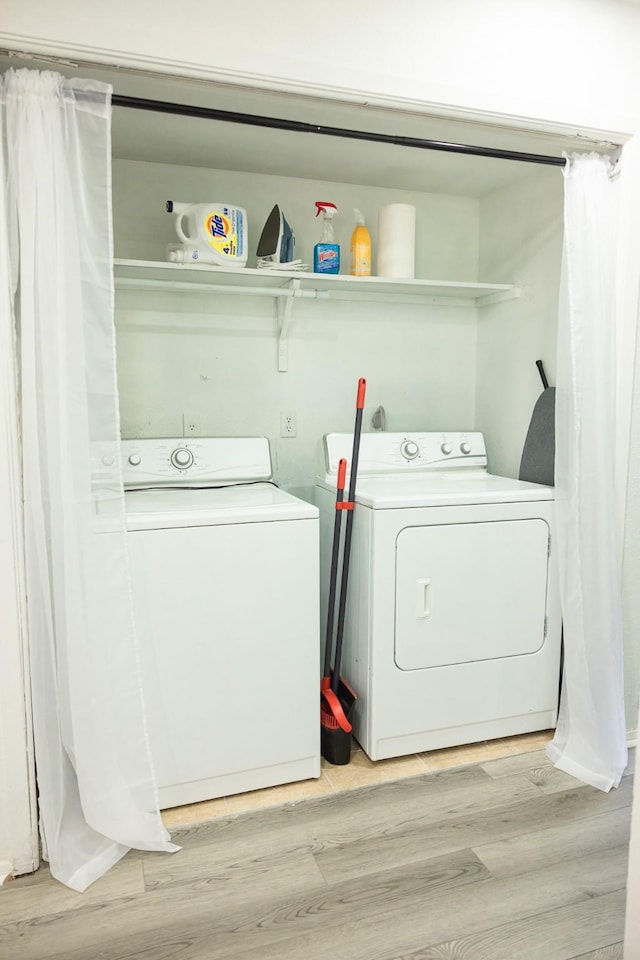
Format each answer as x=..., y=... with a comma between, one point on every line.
x=97, y=793
x=590, y=739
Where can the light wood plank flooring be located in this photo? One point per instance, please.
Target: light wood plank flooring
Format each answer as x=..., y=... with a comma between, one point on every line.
x=502, y=860
x=360, y=772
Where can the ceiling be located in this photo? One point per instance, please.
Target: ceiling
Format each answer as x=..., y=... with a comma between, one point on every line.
x=165, y=138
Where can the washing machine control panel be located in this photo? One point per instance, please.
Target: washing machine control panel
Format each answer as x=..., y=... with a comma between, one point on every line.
x=382, y=453
x=201, y=461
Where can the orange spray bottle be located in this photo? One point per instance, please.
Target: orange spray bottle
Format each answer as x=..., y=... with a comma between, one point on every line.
x=360, y=248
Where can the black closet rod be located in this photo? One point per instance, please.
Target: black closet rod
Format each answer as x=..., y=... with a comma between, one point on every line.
x=228, y=116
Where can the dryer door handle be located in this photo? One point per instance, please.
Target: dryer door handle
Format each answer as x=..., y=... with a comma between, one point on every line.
x=423, y=598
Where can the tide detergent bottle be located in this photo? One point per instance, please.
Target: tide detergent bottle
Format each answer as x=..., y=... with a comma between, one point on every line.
x=326, y=254
x=217, y=231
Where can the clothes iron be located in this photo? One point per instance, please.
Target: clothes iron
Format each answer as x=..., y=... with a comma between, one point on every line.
x=276, y=243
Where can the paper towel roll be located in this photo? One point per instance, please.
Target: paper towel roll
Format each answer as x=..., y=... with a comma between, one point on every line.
x=397, y=241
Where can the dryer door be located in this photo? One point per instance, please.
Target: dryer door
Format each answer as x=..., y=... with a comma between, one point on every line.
x=470, y=591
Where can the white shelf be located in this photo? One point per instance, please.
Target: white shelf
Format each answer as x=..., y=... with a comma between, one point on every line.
x=277, y=282
x=289, y=286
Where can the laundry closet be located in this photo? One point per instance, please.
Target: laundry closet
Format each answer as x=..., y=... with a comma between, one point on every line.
x=455, y=352
x=208, y=351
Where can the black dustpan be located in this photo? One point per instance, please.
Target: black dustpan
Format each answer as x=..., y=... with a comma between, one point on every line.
x=539, y=451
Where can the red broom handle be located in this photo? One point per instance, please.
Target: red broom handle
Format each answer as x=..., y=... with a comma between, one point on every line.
x=328, y=648
x=335, y=680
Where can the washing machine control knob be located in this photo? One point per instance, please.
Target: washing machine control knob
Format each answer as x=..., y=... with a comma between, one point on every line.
x=182, y=458
x=445, y=448
x=409, y=449
x=465, y=447
x=135, y=459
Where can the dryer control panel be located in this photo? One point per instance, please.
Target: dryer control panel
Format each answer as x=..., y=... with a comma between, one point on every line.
x=382, y=453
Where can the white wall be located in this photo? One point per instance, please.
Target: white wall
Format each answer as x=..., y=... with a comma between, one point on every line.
x=218, y=357
x=18, y=836
x=520, y=242
x=569, y=61
x=631, y=572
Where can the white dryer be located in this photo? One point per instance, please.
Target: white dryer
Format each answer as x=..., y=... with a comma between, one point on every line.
x=225, y=588
x=453, y=623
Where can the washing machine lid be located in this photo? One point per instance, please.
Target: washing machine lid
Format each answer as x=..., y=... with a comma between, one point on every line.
x=164, y=508
x=446, y=489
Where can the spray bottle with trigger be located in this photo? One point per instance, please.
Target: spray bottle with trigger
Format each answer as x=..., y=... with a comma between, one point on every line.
x=326, y=254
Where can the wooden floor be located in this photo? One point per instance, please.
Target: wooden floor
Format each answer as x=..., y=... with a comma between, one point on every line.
x=505, y=860
x=360, y=772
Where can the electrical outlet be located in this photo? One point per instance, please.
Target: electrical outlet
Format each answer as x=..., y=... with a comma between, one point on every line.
x=190, y=424
x=288, y=425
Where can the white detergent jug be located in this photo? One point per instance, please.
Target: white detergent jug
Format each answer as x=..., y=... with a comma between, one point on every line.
x=188, y=253
x=218, y=227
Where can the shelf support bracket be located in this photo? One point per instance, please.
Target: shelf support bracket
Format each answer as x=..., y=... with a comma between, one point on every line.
x=501, y=297
x=285, y=318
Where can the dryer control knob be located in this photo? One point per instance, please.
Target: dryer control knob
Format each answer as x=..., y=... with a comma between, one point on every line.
x=135, y=459
x=445, y=448
x=182, y=458
x=409, y=449
x=465, y=447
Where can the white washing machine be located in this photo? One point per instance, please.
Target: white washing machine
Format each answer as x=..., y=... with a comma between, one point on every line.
x=453, y=623
x=225, y=583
